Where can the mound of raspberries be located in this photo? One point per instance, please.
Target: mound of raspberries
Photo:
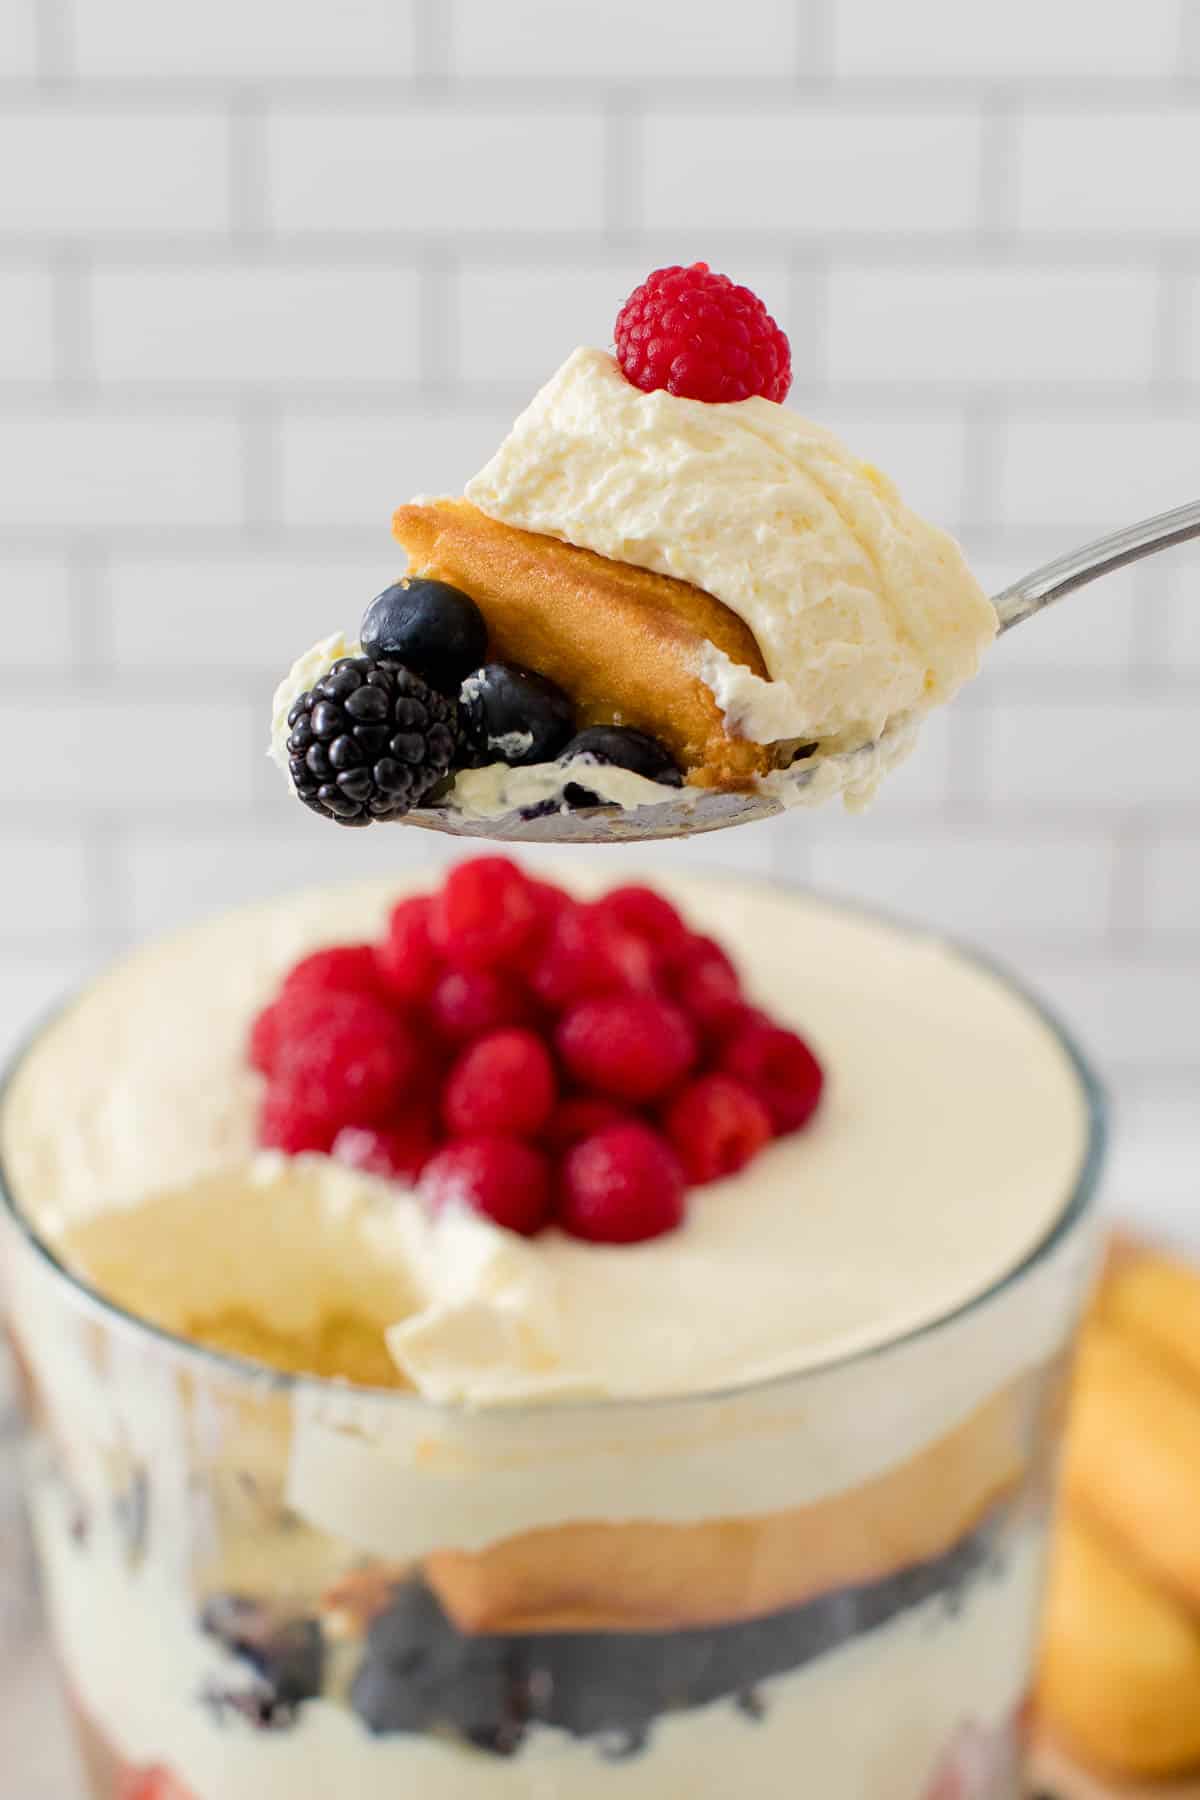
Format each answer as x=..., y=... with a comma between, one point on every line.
x=540, y=1059
x=701, y=336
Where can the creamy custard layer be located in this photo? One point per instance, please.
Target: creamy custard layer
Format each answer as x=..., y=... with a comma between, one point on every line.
x=877, y=1717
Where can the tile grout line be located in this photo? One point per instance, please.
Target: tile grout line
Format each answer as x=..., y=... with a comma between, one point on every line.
x=261, y=470
x=53, y=23
x=439, y=326
x=103, y=851
x=1169, y=344
x=966, y=803
x=1035, y=403
x=931, y=248
x=89, y=609
x=433, y=44
x=983, y=459
x=997, y=196
x=248, y=171
x=1187, y=48
x=816, y=40
x=72, y=320
x=1127, y=900
x=808, y=294
x=434, y=78
x=622, y=155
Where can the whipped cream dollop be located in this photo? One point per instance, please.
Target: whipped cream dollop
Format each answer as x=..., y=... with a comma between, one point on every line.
x=952, y=1133
x=864, y=613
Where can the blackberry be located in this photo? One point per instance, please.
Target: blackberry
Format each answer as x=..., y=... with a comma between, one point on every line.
x=370, y=741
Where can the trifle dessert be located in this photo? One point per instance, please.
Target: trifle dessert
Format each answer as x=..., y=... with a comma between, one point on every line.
x=665, y=586
x=503, y=1336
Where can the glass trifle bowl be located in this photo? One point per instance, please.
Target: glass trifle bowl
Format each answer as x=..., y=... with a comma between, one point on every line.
x=763, y=1511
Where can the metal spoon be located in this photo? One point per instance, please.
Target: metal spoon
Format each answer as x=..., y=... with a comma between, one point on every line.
x=697, y=810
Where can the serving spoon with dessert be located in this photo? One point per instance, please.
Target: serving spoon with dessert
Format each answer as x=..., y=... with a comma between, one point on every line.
x=667, y=605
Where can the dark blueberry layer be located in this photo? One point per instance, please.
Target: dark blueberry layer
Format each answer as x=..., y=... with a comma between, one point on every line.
x=420, y=1673
x=286, y=1656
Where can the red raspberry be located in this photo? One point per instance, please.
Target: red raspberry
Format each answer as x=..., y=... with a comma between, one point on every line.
x=717, y=1126
x=779, y=1067
x=503, y=1085
x=647, y=913
x=342, y=969
x=466, y=1003
x=485, y=914
x=408, y=962
x=701, y=336
x=628, y=1046
x=706, y=984
x=351, y=1064
x=505, y=1180
x=621, y=1186
x=550, y=900
x=580, y=1117
x=288, y=1122
x=398, y=1152
x=262, y=1045
x=588, y=952
x=740, y=1018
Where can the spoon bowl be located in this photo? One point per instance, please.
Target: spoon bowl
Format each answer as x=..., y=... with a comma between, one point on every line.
x=688, y=811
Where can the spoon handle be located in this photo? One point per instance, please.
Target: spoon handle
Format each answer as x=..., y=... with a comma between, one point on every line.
x=1078, y=567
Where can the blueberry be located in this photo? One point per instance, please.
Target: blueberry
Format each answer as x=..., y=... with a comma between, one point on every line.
x=621, y=748
x=434, y=629
x=513, y=716
x=287, y=1654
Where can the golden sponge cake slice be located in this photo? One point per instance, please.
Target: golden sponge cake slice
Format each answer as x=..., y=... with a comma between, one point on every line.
x=622, y=642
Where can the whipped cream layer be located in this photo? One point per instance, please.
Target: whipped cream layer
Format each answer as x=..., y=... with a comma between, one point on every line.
x=953, y=1132
x=864, y=613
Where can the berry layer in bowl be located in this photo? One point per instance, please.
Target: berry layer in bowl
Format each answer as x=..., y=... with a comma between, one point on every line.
x=786, y=1511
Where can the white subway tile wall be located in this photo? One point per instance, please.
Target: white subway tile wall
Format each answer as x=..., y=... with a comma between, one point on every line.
x=244, y=40
x=206, y=324
x=92, y=170
x=266, y=270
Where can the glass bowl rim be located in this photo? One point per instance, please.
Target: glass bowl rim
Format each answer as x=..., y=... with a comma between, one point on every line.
x=263, y=1377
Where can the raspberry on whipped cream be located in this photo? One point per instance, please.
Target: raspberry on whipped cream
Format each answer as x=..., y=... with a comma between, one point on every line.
x=907, y=1185
x=501, y=1008
x=699, y=335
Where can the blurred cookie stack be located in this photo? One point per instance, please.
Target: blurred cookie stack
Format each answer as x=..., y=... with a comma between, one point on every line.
x=1120, y=1674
